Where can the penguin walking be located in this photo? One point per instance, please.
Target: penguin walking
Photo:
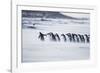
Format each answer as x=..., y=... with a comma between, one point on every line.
x=52, y=36
x=82, y=39
x=64, y=37
x=75, y=37
x=87, y=38
x=58, y=38
x=41, y=36
x=70, y=37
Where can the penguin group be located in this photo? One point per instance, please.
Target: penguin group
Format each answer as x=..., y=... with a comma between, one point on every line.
x=71, y=37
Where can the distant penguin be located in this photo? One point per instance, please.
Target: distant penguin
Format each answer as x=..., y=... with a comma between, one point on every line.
x=70, y=37
x=87, y=38
x=75, y=37
x=64, y=37
x=52, y=36
x=82, y=39
x=56, y=35
x=41, y=36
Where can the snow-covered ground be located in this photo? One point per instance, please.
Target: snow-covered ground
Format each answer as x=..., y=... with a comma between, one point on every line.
x=35, y=50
